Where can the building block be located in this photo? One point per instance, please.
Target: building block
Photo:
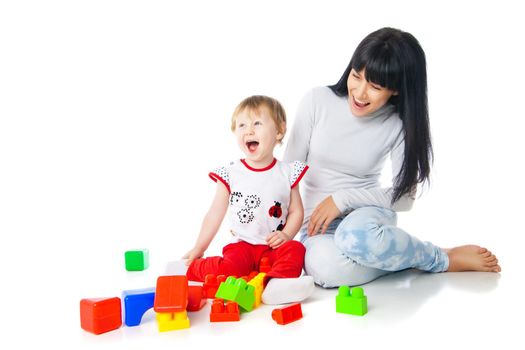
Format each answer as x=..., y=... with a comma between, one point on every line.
x=171, y=294
x=353, y=302
x=100, y=315
x=237, y=290
x=196, y=298
x=257, y=283
x=136, y=303
x=211, y=284
x=221, y=312
x=264, y=265
x=287, y=314
x=137, y=260
x=170, y=321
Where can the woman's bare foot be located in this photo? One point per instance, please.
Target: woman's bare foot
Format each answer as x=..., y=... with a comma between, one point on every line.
x=471, y=258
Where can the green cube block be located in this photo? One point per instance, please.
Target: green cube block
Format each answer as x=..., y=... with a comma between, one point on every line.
x=137, y=260
x=239, y=291
x=352, y=302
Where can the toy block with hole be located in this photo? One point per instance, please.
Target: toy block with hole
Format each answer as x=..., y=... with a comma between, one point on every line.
x=264, y=265
x=257, y=283
x=211, y=284
x=100, y=315
x=170, y=321
x=171, y=294
x=221, y=312
x=137, y=260
x=353, y=302
x=237, y=290
x=287, y=314
x=136, y=303
x=196, y=298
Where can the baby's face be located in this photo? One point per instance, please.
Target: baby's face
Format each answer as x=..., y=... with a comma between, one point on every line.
x=257, y=135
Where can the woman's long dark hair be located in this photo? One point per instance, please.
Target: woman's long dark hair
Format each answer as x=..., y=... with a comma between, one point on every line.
x=395, y=60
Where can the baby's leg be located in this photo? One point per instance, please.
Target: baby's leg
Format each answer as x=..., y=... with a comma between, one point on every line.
x=285, y=285
x=237, y=260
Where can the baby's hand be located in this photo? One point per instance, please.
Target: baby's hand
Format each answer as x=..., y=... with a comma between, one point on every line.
x=276, y=239
x=193, y=254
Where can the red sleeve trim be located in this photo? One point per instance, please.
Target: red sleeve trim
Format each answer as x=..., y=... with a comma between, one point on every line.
x=300, y=177
x=216, y=177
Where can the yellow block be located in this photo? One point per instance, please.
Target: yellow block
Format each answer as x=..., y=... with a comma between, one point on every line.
x=169, y=321
x=257, y=283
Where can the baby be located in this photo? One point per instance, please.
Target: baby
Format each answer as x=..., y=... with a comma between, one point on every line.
x=265, y=208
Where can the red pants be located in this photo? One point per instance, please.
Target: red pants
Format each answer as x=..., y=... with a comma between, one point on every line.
x=241, y=258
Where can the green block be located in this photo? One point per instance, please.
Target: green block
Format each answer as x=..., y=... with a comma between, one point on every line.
x=351, y=302
x=137, y=260
x=237, y=290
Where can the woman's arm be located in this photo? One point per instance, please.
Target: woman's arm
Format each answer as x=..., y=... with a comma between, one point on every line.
x=211, y=223
x=353, y=198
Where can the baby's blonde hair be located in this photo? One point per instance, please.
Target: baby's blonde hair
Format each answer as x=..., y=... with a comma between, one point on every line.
x=255, y=103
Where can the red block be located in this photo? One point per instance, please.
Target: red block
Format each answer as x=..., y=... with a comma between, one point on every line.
x=196, y=298
x=287, y=314
x=224, y=313
x=264, y=265
x=211, y=284
x=171, y=294
x=100, y=315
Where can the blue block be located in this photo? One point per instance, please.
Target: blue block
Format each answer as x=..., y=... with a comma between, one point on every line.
x=136, y=303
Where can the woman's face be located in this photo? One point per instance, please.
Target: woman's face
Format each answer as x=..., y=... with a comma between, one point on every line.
x=365, y=97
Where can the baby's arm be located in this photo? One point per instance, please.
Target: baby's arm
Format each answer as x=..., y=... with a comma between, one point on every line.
x=294, y=221
x=211, y=223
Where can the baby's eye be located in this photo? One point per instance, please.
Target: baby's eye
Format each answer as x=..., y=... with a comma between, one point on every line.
x=241, y=125
x=257, y=123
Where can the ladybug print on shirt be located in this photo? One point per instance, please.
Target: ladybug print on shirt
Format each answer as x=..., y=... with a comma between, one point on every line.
x=276, y=210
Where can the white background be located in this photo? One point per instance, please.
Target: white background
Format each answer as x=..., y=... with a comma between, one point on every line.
x=113, y=112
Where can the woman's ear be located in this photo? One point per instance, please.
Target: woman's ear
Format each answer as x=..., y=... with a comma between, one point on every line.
x=395, y=93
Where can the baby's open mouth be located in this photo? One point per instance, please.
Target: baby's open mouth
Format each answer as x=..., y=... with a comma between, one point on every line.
x=252, y=145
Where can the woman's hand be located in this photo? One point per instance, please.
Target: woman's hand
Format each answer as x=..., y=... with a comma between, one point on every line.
x=322, y=216
x=193, y=254
x=277, y=239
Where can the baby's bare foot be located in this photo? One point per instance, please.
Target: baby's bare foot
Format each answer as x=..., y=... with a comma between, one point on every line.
x=471, y=258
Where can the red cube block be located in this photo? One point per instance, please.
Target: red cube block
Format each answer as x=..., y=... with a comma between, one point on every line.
x=287, y=314
x=171, y=294
x=100, y=315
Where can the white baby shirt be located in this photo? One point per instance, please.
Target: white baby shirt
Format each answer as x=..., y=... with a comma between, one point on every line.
x=259, y=198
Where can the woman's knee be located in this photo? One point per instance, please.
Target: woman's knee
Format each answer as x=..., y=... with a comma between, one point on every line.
x=359, y=231
x=325, y=263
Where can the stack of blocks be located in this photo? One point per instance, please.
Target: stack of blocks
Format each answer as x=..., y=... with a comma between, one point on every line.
x=171, y=300
x=239, y=291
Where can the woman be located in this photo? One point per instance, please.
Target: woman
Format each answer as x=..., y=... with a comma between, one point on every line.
x=345, y=132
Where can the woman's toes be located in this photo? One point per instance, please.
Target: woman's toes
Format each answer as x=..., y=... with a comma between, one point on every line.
x=482, y=250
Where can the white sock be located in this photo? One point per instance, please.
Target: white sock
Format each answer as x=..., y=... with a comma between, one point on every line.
x=177, y=267
x=288, y=290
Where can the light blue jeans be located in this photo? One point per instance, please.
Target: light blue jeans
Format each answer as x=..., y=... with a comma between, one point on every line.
x=365, y=245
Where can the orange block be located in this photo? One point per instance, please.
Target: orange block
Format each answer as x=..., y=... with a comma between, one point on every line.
x=100, y=315
x=211, y=284
x=224, y=313
x=196, y=298
x=288, y=314
x=171, y=294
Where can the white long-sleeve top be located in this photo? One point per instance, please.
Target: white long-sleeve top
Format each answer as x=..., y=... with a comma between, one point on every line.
x=345, y=153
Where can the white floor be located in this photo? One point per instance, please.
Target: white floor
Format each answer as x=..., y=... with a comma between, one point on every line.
x=409, y=309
